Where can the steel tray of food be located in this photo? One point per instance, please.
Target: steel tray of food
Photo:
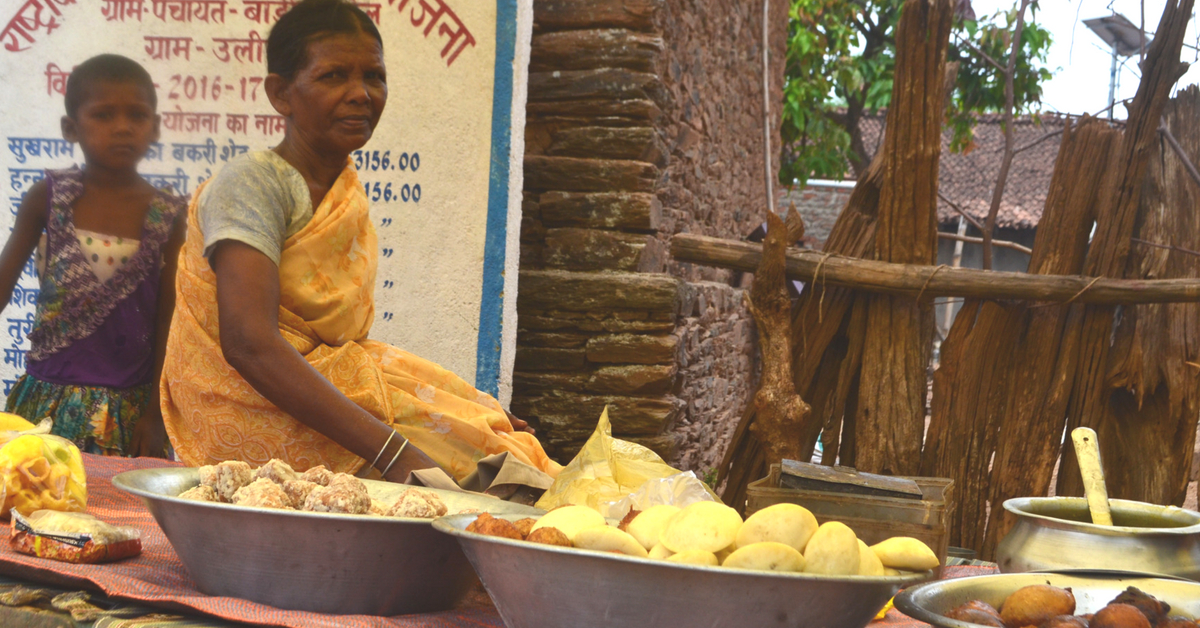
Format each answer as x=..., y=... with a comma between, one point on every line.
x=545, y=586
x=1092, y=590
x=321, y=562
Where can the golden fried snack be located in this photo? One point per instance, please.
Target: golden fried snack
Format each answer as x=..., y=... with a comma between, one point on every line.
x=341, y=498
x=297, y=491
x=1036, y=603
x=226, y=478
x=548, y=536
x=277, y=471
x=348, y=481
x=1065, y=621
x=1119, y=616
x=419, y=504
x=262, y=493
x=318, y=475
x=1154, y=609
x=378, y=508
x=977, y=612
x=200, y=493
x=525, y=525
x=491, y=526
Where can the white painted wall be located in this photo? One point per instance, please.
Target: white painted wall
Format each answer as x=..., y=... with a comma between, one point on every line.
x=436, y=136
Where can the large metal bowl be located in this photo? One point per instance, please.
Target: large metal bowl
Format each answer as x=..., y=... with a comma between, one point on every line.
x=320, y=562
x=542, y=586
x=1093, y=590
x=1056, y=533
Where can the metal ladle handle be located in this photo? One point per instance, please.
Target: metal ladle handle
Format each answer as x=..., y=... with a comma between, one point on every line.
x=1087, y=452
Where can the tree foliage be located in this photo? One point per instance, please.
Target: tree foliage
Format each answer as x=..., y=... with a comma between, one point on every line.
x=840, y=62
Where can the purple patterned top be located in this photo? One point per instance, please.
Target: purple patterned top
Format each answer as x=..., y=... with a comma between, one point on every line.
x=88, y=332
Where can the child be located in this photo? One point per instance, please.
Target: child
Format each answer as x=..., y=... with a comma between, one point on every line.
x=107, y=243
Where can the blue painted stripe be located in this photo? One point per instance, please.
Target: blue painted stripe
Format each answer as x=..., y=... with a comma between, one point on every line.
x=491, y=305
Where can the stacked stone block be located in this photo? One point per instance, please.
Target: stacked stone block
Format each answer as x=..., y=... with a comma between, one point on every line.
x=632, y=135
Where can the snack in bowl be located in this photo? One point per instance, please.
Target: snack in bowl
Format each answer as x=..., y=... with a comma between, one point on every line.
x=706, y=534
x=277, y=486
x=1049, y=606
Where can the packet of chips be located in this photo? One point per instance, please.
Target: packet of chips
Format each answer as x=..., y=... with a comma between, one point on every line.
x=72, y=537
x=41, y=471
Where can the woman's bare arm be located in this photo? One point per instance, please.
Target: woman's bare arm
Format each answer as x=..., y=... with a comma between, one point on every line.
x=31, y=221
x=248, y=310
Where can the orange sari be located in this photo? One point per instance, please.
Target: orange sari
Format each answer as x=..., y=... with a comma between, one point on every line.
x=327, y=279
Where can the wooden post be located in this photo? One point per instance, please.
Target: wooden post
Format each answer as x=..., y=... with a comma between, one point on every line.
x=890, y=424
x=1109, y=250
x=779, y=410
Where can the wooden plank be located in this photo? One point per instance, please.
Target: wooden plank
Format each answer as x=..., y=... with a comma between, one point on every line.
x=930, y=281
x=815, y=477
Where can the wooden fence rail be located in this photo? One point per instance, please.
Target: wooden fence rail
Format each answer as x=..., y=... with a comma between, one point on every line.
x=935, y=281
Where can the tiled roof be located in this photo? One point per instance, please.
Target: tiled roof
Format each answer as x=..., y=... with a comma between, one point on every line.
x=968, y=179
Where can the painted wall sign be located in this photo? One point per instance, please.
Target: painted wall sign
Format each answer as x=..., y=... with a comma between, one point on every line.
x=442, y=171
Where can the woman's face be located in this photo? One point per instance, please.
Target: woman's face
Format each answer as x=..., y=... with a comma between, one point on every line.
x=334, y=102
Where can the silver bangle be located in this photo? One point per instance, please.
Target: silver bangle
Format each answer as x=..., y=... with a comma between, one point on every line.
x=396, y=457
x=381, y=449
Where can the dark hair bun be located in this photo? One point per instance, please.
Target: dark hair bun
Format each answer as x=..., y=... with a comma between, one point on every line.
x=287, y=45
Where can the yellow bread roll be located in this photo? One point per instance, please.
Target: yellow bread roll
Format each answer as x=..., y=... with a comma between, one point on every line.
x=570, y=520
x=660, y=552
x=782, y=523
x=869, y=564
x=694, y=557
x=832, y=551
x=609, y=539
x=708, y=526
x=905, y=552
x=766, y=556
x=648, y=526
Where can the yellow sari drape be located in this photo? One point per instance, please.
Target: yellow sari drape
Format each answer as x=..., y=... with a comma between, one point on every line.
x=327, y=279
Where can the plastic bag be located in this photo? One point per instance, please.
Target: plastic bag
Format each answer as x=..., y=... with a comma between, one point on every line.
x=679, y=490
x=73, y=537
x=41, y=471
x=606, y=470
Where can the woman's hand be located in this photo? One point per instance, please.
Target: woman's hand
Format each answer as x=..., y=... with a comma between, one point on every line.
x=518, y=424
x=411, y=459
x=149, y=435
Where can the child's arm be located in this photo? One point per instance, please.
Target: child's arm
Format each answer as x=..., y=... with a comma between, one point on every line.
x=31, y=221
x=150, y=435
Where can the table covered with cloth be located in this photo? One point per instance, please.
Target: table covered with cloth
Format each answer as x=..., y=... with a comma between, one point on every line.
x=158, y=579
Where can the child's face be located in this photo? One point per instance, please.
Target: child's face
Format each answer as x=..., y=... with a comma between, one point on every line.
x=114, y=125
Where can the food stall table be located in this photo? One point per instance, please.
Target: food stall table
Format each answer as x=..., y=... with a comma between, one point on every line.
x=157, y=582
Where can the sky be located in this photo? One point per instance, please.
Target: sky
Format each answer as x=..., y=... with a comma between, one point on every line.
x=1081, y=61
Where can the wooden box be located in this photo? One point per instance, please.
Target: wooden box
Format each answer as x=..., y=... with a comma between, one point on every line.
x=872, y=518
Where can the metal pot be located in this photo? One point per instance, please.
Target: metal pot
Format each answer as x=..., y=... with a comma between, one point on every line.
x=1054, y=534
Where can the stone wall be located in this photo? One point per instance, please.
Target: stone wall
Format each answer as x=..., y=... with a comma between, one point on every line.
x=819, y=203
x=644, y=120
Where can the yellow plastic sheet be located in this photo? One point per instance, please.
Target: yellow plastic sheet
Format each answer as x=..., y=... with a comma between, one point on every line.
x=606, y=470
x=41, y=471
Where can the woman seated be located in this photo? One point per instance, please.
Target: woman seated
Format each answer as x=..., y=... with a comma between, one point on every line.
x=269, y=355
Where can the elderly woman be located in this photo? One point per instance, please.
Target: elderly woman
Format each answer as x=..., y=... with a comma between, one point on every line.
x=268, y=354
